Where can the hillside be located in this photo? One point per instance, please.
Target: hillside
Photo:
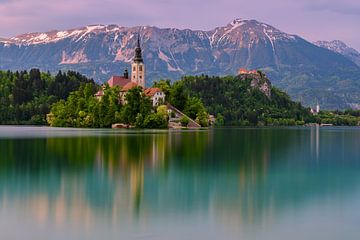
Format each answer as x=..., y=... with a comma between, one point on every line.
x=308, y=73
x=246, y=99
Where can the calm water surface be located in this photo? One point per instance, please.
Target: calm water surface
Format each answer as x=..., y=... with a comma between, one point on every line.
x=273, y=184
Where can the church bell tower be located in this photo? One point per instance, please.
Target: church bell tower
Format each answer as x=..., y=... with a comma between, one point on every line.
x=138, y=67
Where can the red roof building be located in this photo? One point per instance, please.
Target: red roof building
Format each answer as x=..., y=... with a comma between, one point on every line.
x=150, y=92
x=119, y=81
x=128, y=86
x=244, y=71
x=156, y=95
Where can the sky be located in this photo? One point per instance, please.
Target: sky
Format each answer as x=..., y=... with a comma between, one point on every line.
x=312, y=19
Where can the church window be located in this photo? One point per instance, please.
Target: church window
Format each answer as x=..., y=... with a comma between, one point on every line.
x=140, y=68
x=134, y=69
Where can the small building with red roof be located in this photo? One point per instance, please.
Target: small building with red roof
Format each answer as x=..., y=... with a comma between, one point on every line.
x=156, y=95
x=245, y=71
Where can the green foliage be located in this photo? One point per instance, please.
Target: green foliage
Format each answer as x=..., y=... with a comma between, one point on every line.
x=219, y=120
x=178, y=95
x=184, y=121
x=82, y=109
x=162, y=110
x=202, y=118
x=236, y=102
x=155, y=121
x=351, y=112
x=193, y=106
x=136, y=102
x=26, y=97
x=337, y=118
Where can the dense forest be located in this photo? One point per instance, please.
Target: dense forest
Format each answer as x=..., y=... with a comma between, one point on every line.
x=26, y=97
x=67, y=100
x=233, y=101
x=244, y=100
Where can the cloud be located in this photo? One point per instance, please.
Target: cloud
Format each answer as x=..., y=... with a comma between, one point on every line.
x=348, y=7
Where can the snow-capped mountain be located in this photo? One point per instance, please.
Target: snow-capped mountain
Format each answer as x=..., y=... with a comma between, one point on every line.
x=341, y=48
x=307, y=72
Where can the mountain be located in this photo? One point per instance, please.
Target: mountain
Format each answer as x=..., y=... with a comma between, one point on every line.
x=341, y=48
x=307, y=72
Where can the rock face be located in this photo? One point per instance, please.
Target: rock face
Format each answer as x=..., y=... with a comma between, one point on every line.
x=341, y=48
x=258, y=81
x=307, y=72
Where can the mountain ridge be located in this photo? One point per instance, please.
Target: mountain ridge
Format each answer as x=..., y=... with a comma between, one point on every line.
x=341, y=48
x=299, y=67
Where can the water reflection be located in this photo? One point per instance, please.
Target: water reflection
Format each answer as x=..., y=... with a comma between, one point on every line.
x=236, y=177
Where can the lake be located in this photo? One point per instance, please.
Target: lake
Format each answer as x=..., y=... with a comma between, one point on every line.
x=234, y=183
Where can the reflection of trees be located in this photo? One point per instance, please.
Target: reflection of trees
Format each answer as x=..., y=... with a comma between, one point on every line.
x=247, y=174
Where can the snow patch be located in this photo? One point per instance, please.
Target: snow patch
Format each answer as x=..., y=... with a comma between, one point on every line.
x=172, y=69
x=90, y=29
x=271, y=41
x=234, y=25
x=94, y=27
x=43, y=37
x=166, y=59
x=163, y=57
x=62, y=34
x=212, y=38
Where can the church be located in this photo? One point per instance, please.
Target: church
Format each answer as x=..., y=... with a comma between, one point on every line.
x=136, y=78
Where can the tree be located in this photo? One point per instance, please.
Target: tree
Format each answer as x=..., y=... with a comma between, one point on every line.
x=184, y=121
x=136, y=102
x=162, y=110
x=193, y=106
x=178, y=95
x=202, y=118
x=219, y=120
x=155, y=121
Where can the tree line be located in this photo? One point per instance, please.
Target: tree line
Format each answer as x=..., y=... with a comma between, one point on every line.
x=68, y=100
x=26, y=97
x=235, y=102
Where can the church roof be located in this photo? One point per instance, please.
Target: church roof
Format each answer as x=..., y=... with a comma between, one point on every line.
x=152, y=91
x=118, y=81
x=128, y=86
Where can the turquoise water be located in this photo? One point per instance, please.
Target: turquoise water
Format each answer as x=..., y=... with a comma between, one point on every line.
x=270, y=183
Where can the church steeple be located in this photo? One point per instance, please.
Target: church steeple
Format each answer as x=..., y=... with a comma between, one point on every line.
x=138, y=57
x=138, y=67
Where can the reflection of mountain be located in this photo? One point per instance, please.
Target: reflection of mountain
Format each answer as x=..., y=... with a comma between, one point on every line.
x=245, y=175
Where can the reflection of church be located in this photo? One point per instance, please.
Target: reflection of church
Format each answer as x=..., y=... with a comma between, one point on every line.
x=137, y=78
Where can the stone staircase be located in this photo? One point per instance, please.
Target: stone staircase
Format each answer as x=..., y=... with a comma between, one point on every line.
x=175, y=121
